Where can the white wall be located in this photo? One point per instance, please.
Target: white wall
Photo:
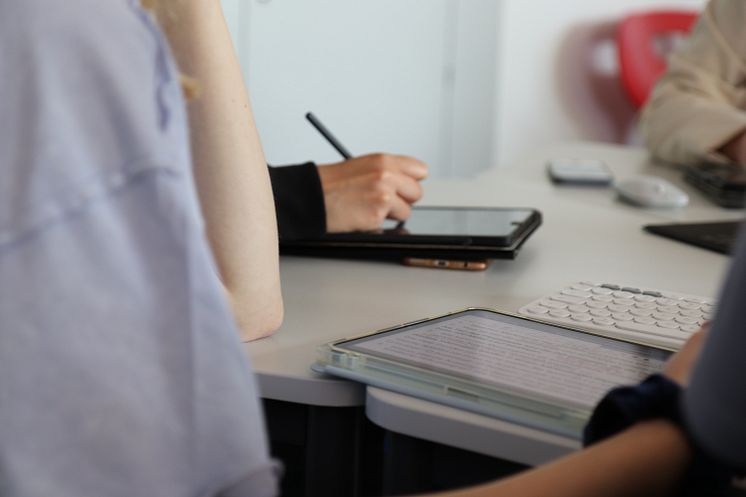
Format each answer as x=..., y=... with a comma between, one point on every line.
x=496, y=77
x=558, y=74
x=414, y=77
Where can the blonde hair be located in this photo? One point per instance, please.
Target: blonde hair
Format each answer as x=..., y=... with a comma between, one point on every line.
x=189, y=86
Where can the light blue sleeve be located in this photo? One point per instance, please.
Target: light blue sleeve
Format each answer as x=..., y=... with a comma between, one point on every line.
x=121, y=372
x=715, y=401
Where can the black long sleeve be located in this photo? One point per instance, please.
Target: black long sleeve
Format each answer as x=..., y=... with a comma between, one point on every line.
x=299, y=201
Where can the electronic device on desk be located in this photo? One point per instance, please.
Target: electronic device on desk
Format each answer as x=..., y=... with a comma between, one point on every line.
x=581, y=172
x=723, y=184
x=432, y=233
x=656, y=317
x=651, y=192
x=497, y=364
x=716, y=236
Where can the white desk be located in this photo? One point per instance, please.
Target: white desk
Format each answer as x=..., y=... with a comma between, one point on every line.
x=587, y=234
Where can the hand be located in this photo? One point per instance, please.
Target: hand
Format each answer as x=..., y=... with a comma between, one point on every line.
x=680, y=366
x=360, y=193
x=735, y=149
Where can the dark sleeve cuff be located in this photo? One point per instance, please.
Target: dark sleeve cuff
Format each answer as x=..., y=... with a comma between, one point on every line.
x=299, y=201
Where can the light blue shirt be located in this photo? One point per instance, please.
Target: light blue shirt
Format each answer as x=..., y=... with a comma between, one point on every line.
x=121, y=373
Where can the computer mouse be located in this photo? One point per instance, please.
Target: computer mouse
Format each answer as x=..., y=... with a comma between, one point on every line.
x=651, y=191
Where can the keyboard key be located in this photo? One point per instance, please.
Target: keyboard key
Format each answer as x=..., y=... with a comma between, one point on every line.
x=628, y=302
x=691, y=314
x=537, y=309
x=603, y=321
x=618, y=308
x=603, y=298
x=623, y=295
x=663, y=316
x=668, y=324
x=668, y=309
x=576, y=293
x=644, y=320
x=631, y=289
x=641, y=312
x=601, y=313
x=685, y=320
x=610, y=286
x=582, y=287
x=559, y=313
x=553, y=304
x=666, y=301
x=601, y=291
x=623, y=316
x=579, y=309
x=690, y=328
x=644, y=298
x=583, y=318
x=567, y=299
x=652, y=293
x=646, y=305
x=690, y=306
x=596, y=305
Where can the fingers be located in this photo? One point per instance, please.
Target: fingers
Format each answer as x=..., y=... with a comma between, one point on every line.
x=404, y=186
x=399, y=164
x=398, y=209
x=411, y=167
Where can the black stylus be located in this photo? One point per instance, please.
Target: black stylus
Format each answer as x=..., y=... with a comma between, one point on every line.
x=328, y=135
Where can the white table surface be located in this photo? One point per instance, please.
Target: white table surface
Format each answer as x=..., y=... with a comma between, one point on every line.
x=587, y=235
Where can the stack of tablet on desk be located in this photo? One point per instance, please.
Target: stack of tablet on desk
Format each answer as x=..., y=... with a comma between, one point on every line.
x=436, y=233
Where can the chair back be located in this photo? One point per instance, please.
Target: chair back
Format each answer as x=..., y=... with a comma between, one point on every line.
x=644, y=42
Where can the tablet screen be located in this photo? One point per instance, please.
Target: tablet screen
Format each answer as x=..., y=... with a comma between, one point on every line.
x=516, y=355
x=443, y=221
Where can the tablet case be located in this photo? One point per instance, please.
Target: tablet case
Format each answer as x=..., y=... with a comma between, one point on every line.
x=716, y=236
x=522, y=409
x=396, y=247
x=723, y=184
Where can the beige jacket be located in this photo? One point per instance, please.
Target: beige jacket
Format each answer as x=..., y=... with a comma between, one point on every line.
x=700, y=103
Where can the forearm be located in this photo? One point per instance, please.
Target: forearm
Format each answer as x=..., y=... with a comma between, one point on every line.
x=229, y=165
x=648, y=459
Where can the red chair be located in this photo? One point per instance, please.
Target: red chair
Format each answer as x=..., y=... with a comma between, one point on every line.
x=641, y=59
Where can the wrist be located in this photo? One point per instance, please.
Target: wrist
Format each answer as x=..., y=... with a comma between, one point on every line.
x=658, y=397
x=735, y=148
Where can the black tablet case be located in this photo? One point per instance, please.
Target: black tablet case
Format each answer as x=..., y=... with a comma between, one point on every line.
x=372, y=246
x=716, y=236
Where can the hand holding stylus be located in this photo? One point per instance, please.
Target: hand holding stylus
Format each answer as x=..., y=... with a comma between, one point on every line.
x=360, y=193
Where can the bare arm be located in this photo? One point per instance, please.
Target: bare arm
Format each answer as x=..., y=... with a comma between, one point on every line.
x=229, y=166
x=648, y=459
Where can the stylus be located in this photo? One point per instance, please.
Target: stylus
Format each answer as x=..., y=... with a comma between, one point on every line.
x=328, y=135
x=336, y=144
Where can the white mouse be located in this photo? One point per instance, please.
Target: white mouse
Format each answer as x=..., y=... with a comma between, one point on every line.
x=651, y=191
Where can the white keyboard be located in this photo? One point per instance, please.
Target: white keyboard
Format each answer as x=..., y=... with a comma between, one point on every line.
x=656, y=317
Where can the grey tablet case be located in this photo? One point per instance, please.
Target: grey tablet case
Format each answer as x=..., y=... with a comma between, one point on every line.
x=398, y=376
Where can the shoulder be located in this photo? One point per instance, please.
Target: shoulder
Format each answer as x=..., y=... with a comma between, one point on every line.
x=726, y=20
x=90, y=90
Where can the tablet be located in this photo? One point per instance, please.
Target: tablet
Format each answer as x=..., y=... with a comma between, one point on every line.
x=467, y=233
x=718, y=236
x=498, y=364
